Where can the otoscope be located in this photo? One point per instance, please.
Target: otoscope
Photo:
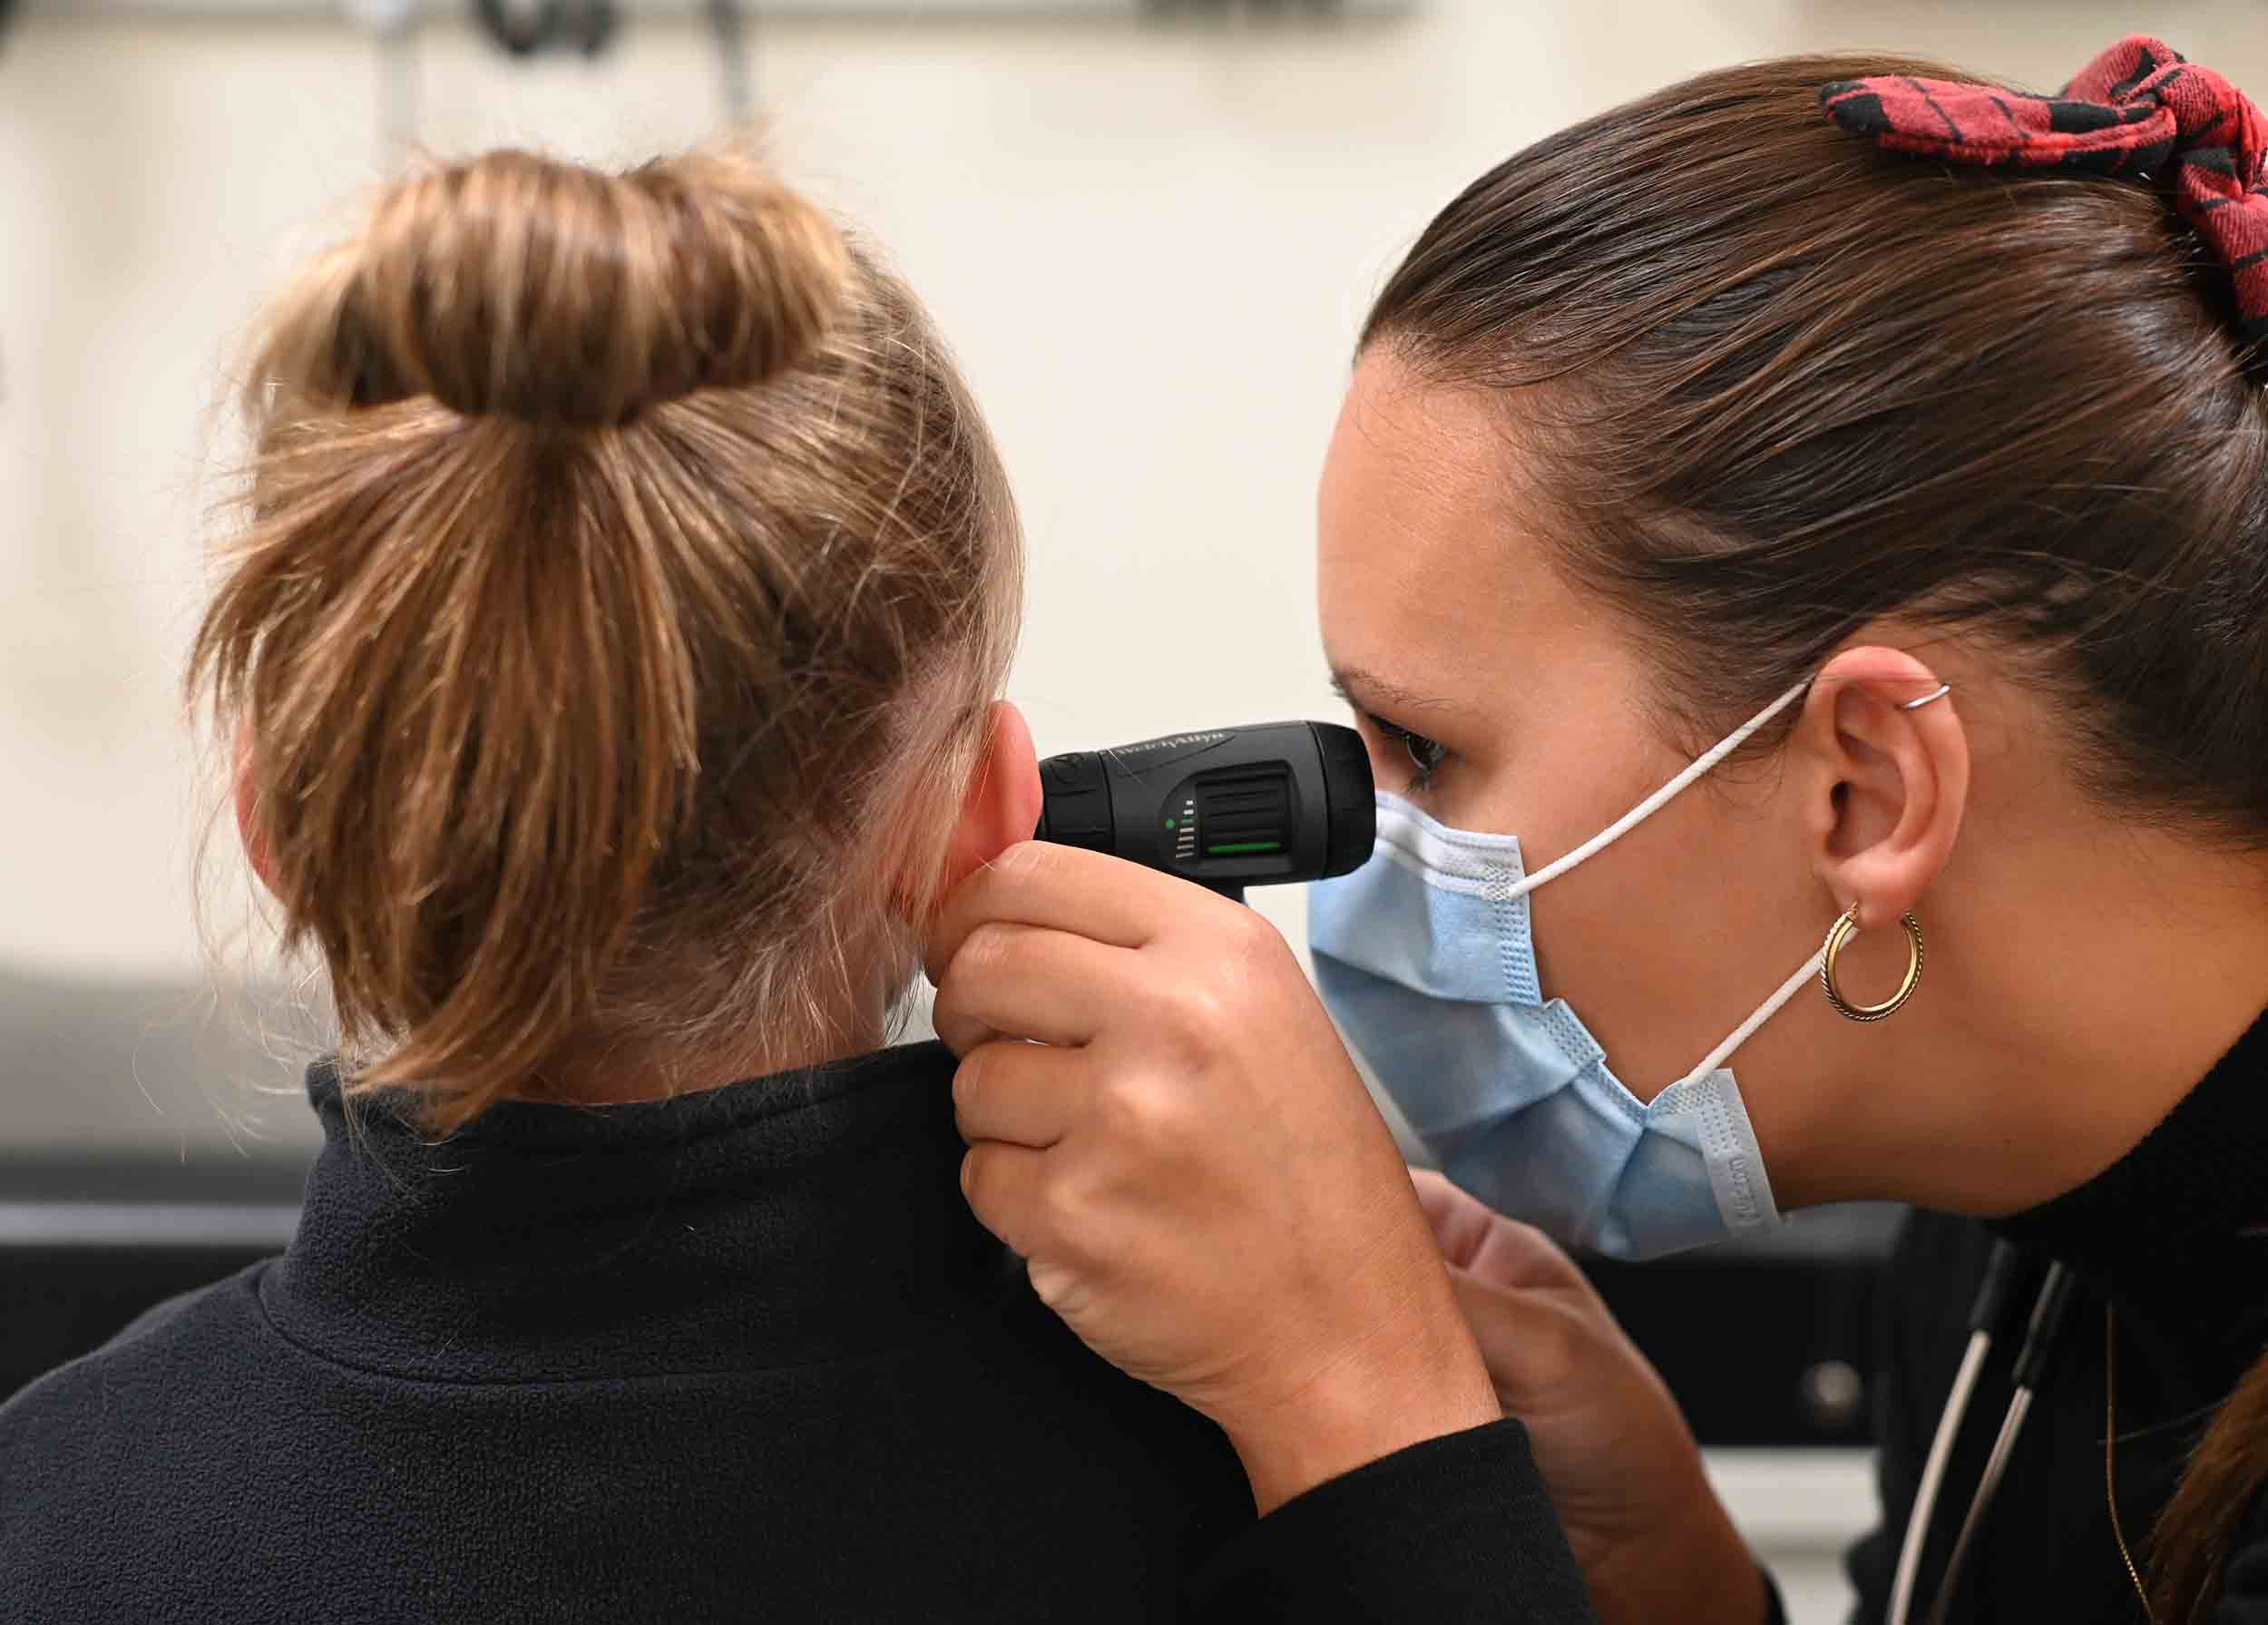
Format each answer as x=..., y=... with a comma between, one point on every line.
x=1226, y=808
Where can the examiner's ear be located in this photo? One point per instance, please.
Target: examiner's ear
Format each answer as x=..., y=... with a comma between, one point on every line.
x=1887, y=779
x=1002, y=803
x=246, y=786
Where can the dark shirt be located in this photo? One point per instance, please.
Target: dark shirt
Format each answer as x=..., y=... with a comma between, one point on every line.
x=2175, y=1237
x=740, y=1354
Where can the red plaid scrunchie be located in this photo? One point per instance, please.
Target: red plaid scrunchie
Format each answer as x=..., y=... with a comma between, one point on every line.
x=2138, y=110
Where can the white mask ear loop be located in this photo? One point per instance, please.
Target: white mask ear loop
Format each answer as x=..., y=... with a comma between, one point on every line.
x=1647, y=809
x=1765, y=1013
x=1659, y=798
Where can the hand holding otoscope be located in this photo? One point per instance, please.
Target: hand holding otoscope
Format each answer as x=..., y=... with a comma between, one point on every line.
x=1212, y=1204
x=1294, y=801
x=1204, y=1191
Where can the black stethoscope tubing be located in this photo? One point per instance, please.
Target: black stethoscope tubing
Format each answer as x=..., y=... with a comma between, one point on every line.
x=2042, y=1328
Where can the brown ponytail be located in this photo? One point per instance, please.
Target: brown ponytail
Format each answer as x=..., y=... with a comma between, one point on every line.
x=625, y=574
x=2199, y=1526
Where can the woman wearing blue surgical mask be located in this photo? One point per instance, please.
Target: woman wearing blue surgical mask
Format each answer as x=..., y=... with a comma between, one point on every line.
x=1798, y=547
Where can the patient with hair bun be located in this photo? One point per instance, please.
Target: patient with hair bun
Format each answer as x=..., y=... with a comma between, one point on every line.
x=610, y=649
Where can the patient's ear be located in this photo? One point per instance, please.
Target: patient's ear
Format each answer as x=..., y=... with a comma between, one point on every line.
x=1002, y=803
x=247, y=827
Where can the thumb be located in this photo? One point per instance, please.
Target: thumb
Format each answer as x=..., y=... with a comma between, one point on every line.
x=1476, y=1238
x=1538, y=1346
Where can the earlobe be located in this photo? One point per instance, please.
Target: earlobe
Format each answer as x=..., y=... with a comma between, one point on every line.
x=1002, y=806
x=1893, y=784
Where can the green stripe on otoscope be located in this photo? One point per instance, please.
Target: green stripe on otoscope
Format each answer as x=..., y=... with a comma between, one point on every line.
x=1236, y=846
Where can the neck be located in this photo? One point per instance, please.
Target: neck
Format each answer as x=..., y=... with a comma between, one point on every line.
x=615, y=1064
x=2082, y=988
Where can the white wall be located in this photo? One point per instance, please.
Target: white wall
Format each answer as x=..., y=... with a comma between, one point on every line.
x=1151, y=245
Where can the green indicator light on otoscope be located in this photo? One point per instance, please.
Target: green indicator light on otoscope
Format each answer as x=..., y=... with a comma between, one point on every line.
x=1234, y=848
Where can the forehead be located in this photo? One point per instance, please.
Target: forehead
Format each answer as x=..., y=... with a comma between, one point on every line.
x=1430, y=554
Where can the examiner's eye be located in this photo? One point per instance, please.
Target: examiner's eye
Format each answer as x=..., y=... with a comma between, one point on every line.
x=1425, y=755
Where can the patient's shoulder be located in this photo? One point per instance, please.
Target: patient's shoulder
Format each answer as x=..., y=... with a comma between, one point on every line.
x=1096, y=1412
x=192, y=1339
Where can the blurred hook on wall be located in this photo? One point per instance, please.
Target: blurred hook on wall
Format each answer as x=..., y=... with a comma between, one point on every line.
x=522, y=30
x=731, y=25
x=393, y=26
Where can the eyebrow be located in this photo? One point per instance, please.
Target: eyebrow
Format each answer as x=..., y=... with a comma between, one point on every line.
x=1365, y=689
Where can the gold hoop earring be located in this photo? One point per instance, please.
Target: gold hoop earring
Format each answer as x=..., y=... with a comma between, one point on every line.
x=1839, y=937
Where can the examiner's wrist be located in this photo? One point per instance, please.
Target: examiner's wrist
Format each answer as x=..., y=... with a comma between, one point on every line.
x=1719, y=1557
x=1690, y=1563
x=1738, y=1579
x=1360, y=1412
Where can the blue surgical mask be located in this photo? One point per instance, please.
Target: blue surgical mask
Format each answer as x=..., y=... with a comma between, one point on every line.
x=1425, y=960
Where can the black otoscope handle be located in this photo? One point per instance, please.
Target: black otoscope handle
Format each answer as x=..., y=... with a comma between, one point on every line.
x=1264, y=804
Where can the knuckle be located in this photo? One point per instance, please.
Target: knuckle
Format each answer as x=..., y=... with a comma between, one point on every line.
x=1560, y=1351
x=1196, y=1016
x=1053, y=1285
x=1539, y=1259
x=1065, y=1210
x=1209, y=1002
x=1178, y=1000
x=1227, y=934
x=1143, y=1112
x=1519, y=1233
x=1253, y=936
x=1256, y=955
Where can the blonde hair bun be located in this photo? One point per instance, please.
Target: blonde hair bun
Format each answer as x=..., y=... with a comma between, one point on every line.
x=573, y=744
x=531, y=288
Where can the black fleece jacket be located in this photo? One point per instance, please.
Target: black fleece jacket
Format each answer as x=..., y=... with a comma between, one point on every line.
x=742, y=1355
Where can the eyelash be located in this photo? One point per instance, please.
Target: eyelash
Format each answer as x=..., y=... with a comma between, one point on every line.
x=1426, y=755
